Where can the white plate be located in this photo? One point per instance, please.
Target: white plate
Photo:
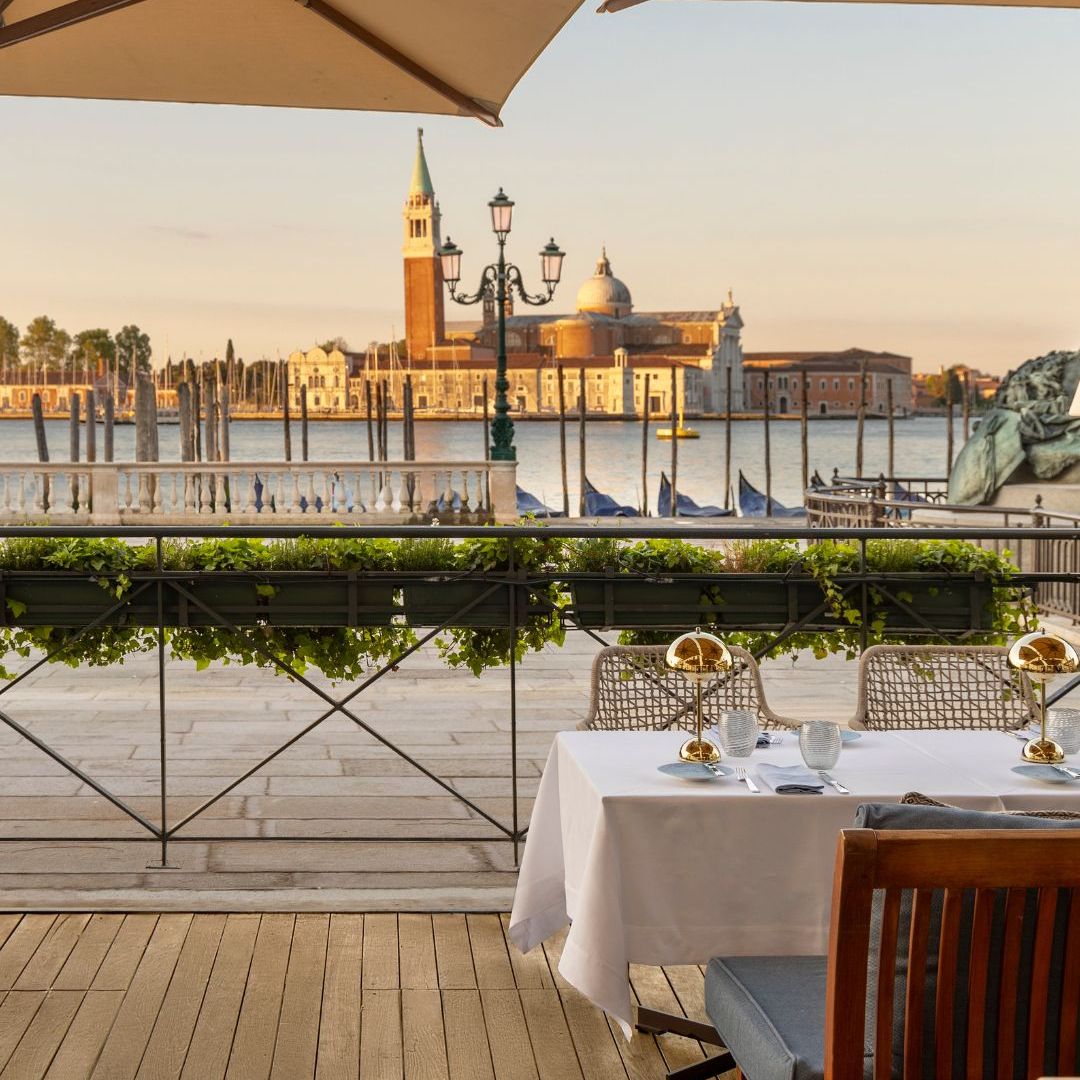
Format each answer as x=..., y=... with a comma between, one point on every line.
x=694, y=770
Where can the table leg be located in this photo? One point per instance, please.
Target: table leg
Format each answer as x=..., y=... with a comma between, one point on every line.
x=654, y=1022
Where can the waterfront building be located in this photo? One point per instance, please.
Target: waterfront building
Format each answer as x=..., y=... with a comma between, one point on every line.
x=832, y=381
x=55, y=390
x=326, y=376
x=604, y=334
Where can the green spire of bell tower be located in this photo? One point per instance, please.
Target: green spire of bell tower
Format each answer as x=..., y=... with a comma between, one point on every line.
x=421, y=178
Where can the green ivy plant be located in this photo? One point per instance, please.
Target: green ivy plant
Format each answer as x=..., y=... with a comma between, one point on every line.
x=542, y=562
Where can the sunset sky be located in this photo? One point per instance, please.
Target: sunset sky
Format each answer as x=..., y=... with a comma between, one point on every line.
x=894, y=177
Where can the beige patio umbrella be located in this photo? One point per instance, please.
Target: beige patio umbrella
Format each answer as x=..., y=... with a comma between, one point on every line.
x=460, y=57
x=620, y=5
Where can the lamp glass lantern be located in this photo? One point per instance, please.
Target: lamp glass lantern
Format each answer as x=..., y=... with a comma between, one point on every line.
x=502, y=211
x=551, y=260
x=450, y=258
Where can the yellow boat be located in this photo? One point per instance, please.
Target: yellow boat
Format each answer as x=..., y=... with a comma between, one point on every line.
x=681, y=431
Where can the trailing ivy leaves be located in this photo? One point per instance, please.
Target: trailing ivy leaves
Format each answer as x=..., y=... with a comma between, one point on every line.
x=346, y=653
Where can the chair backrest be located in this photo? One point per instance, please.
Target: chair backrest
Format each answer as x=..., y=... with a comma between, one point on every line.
x=941, y=686
x=989, y=938
x=634, y=690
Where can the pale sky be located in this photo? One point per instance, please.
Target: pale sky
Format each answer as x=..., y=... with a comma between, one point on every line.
x=893, y=177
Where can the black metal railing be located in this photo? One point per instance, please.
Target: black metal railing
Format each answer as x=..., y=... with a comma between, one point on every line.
x=161, y=598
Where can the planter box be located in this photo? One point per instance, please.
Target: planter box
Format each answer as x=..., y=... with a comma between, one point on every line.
x=72, y=601
x=316, y=601
x=733, y=601
x=951, y=604
x=69, y=600
x=434, y=601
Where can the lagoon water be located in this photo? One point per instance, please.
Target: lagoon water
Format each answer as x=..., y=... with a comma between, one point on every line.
x=613, y=451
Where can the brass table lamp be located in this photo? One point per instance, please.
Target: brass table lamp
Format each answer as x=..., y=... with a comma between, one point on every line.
x=698, y=657
x=1041, y=657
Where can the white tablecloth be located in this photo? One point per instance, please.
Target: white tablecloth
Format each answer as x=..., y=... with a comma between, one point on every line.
x=651, y=869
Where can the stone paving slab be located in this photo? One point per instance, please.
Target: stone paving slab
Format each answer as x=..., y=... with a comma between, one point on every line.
x=337, y=782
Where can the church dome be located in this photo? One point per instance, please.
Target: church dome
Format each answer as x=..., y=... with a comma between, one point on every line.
x=604, y=293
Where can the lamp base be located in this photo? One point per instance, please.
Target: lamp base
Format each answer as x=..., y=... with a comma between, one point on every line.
x=699, y=750
x=1043, y=752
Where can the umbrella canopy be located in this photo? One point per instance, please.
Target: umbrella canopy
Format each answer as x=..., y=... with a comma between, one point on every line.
x=460, y=57
x=621, y=5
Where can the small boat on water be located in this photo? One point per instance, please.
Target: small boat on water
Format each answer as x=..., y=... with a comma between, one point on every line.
x=754, y=503
x=527, y=503
x=597, y=504
x=687, y=507
x=681, y=431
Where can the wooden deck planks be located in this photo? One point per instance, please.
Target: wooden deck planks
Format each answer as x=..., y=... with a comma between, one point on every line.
x=339, y=1031
x=211, y=1042
x=311, y=997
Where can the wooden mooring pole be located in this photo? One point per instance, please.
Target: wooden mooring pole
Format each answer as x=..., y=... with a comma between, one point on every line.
x=645, y=450
x=728, y=498
x=804, y=429
x=860, y=424
x=674, y=511
x=891, y=432
x=562, y=444
x=768, y=453
x=283, y=383
x=581, y=441
x=303, y=423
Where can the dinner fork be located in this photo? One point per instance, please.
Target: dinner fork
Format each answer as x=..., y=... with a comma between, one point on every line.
x=744, y=776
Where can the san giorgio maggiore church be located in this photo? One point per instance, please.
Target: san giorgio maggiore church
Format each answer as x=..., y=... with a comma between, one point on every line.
x=605, y=337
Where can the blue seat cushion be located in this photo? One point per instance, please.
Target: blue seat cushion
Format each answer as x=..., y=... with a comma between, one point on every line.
x=770, y=1013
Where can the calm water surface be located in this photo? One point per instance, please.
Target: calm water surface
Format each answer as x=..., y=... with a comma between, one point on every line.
x=613, y=451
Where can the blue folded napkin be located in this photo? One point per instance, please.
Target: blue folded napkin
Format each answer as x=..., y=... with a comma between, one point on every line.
x=791, y=779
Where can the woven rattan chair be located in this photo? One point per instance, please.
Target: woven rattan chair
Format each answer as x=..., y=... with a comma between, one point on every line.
x=941, y=686
x=634, y=690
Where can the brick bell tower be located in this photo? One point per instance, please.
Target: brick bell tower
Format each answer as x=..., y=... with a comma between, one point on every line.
x=425, y=323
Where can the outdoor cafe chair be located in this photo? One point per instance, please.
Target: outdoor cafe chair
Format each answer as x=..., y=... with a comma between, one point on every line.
x=954, y=951
x=941, y=686
x=634, y=690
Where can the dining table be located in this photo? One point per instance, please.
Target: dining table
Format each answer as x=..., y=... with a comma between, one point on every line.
x=651, y=868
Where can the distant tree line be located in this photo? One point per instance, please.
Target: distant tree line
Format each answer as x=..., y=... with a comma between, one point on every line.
x=44, y=349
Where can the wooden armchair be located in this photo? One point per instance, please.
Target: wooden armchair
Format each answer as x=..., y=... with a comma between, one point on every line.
x=951, y=954
x=941, y=686
x=634, y=690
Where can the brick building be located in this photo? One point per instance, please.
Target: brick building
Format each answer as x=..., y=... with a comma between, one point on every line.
x=833, y=381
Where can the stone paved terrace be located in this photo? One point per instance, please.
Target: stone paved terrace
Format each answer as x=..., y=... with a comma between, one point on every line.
x=336, y=781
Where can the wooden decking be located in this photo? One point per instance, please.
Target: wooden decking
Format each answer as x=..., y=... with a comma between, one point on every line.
x=149, y=996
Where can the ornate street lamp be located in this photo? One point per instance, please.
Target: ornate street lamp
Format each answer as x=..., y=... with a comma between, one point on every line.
x=500, y=280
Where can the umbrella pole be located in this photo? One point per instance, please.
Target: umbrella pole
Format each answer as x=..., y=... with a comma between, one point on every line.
x=674, y=444
x=768, y=453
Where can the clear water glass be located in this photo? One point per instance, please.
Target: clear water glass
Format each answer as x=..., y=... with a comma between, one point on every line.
x=819, y=742
x=737, y=730
x=1063, y=726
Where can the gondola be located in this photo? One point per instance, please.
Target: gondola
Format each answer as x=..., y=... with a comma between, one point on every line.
x=817, y=482
x=687, y=506
x=597, y=504
x=527, y=503
x=753, y=503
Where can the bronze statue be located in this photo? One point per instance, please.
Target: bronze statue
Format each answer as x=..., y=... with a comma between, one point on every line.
x=1028, y=428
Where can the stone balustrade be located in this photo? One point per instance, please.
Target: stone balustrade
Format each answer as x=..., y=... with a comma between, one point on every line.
x=127, y=493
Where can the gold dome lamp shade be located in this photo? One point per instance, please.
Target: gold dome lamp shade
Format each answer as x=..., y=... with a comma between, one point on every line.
x=698, y=657
x=1042, y=657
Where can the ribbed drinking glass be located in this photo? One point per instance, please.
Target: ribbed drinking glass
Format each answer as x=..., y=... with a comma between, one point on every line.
x=819, y=741
x=737, y=730
x=1063, y=726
